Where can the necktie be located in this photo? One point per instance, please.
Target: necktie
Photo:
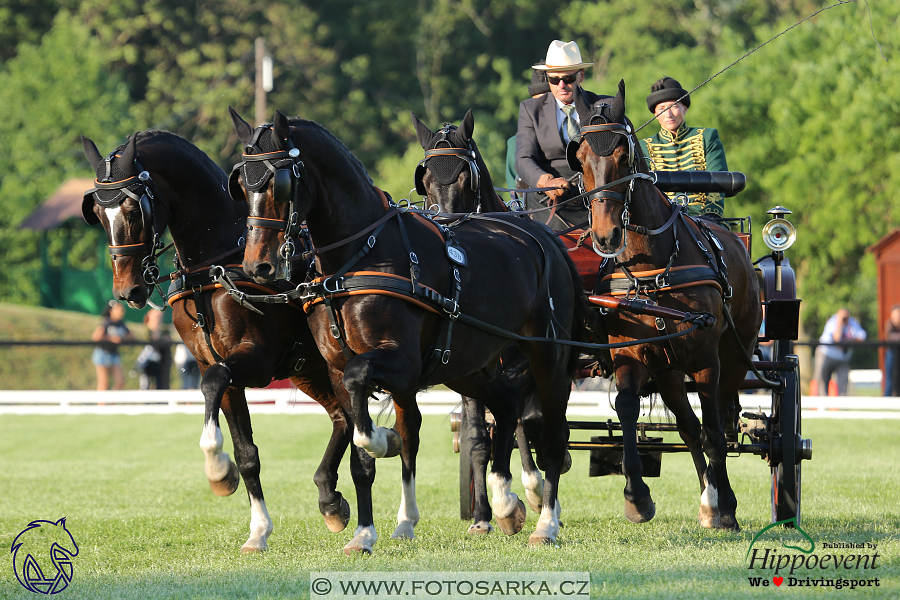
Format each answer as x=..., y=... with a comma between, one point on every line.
x=571, y=127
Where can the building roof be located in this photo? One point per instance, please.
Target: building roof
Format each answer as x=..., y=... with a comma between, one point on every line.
x=884, y=243
x=62, y=205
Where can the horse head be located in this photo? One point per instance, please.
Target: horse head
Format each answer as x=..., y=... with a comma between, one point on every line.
x=122, y=202
x=606, y=152
x=273, y=180
x=453, y=175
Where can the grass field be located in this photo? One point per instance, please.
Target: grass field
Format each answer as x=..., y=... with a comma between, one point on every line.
x=137, y=503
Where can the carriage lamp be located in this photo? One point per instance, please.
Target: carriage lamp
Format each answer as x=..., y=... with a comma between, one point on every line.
x=779, y=234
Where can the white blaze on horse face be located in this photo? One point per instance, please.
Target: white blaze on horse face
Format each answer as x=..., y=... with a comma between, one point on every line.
x=376, y=446
x=112, y=214
x=408, y=515
x=260, y=526
x=217, y=462
x=503, y=501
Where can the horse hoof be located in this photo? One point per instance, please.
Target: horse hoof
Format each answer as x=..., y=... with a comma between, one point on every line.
x=355, y=548
x=708, y=518
x=640, y=512
x=729, y=523
x=250, y=549
x=394, y=444
x=228, y=484
x=338, y=521
x=534, y=501
x=540, y=540
x=480, y=528
x=567, y=464
x=513, y=524
x=404, y=531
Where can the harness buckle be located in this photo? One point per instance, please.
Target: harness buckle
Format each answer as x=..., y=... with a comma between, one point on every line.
x=454, y=312
x=299, y=364
x=445, y=357
x=296, y=169
x=413, y=258
x=371, y=242
x=660, y=324
x=338, y=285
x=201, y=320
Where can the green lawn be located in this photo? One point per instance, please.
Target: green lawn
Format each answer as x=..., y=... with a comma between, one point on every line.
x=137, y=503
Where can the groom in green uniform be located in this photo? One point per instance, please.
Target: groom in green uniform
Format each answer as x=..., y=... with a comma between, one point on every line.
x=678, y=147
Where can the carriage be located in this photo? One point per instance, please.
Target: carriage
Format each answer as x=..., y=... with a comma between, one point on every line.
x=775, y=436
x=371, y=327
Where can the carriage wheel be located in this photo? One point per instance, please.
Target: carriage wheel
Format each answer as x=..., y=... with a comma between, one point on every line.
x=786, y=475
x=466, y=480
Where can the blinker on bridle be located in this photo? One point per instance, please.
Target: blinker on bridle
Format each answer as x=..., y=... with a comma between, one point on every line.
x=465, y=154
x=140, y=189
x=286, y=169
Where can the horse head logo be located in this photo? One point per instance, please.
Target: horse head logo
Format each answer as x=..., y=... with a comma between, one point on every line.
x=42, y=556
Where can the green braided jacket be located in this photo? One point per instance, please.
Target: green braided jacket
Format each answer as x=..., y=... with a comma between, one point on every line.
x=689, y=149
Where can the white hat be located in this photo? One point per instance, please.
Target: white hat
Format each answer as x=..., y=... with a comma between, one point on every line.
x=563, y=56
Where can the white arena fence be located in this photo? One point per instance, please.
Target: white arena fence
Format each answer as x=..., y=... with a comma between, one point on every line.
x=435, y=402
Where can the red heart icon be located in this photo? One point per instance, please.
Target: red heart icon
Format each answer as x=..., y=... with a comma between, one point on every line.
x=778, y=580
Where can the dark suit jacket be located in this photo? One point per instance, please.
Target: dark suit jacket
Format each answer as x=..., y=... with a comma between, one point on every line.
x=539, y=149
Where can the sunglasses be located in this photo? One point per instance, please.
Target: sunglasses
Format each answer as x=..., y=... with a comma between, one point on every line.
x=569, y=79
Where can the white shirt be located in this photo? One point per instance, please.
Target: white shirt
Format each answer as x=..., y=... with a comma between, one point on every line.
x=561, y=118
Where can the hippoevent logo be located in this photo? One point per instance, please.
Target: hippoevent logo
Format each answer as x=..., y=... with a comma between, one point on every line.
x=835, y=565
x=42, y=556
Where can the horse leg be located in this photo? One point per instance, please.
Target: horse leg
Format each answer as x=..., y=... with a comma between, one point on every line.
x=502, y=398
x=408, y=424
x=718, y=503
x=529, y=428
x=639, y=506
x=554, y=392
x=394, y=371
x=222, y=473
x=479, y=454
x=674, y=395
x=362, y=469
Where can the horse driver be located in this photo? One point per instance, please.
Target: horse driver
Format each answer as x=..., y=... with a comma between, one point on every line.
x=678, y=147
x=546, y=124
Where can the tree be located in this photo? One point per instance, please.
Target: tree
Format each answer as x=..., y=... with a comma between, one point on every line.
x=48, y=104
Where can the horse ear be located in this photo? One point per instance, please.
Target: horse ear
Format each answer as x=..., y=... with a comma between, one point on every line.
x=422, y=132
x=129, y=153
x=618, y=105
x=281, y=127
x=90, y=150
x=467, y=127
x=581, y=106
x=241, y=127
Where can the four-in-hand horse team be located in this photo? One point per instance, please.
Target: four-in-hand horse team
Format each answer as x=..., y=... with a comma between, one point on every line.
x=295, y=265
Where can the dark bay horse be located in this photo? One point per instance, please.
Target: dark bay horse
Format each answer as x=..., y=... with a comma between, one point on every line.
x=454, y=177
x=390, y=281
x=681, y=263
x=159, y=180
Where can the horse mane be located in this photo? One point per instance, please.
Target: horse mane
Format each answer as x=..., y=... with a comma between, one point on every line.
x=179, y=153
x=492, y=201
x=335, y=150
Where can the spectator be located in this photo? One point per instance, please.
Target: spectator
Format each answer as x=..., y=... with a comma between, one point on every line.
x=831, y=356
x=155, y=361
x=892, y=354
x=109, y=334
x=187, y=367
